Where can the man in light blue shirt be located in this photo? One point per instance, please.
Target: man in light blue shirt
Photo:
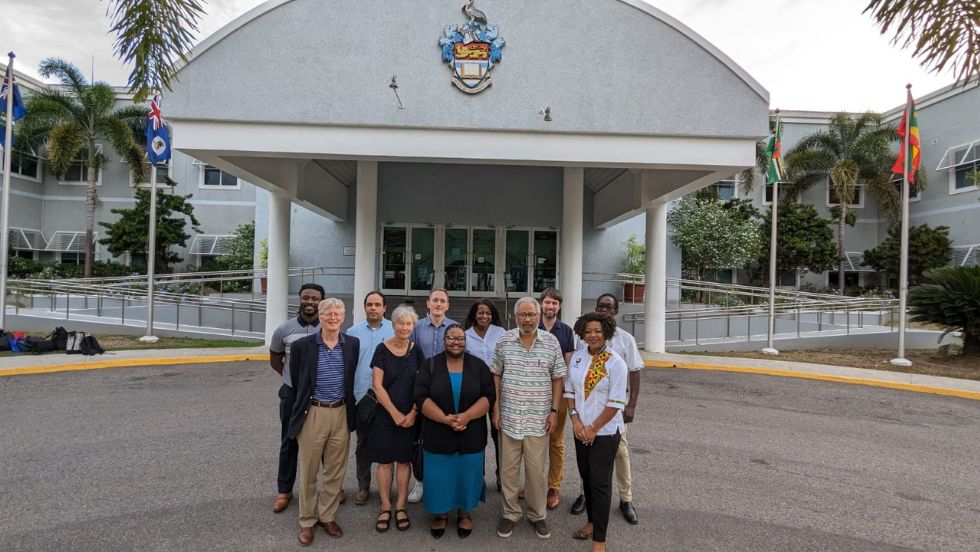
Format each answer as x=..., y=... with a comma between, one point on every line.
x=371, y=332
x=429, y=333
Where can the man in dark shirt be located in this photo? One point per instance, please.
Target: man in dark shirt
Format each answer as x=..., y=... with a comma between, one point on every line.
x=550, y=307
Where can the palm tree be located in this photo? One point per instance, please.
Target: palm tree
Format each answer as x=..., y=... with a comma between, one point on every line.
x=953, y=300
x=943, y=33
x=68, y=121
x=853, y=151
x=153, y=35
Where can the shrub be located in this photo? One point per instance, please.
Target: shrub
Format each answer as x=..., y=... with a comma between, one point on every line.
x=953, y=300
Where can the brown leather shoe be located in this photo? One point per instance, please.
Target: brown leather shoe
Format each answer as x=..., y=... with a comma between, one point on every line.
x=282, y=502
x=305, y=536
x=332, y=529
x=554, y=498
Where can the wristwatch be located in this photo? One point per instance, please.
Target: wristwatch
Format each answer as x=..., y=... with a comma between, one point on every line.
x=572, y=412
x=554, y=411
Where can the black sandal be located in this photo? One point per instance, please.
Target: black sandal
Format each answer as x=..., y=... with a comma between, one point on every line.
x=462, y=531
x=402, y=524
x=438, y=532
x=382, y=525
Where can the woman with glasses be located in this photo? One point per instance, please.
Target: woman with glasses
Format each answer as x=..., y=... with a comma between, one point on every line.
x=595, y=390
x=483, y=330
x=391, y=434
x=454, y=391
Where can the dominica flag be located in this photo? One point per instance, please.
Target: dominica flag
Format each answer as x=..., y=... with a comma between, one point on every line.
x=774, y=151
x=908, y=126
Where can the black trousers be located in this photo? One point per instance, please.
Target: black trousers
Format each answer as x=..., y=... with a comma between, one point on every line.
x=363, y=464
x=288, y=448
x=595, y=466
x=495, y=435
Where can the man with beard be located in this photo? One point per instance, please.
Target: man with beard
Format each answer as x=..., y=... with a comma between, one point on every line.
x=550, y=307
x=306, y=323
x=529, y=375
x=373, y=330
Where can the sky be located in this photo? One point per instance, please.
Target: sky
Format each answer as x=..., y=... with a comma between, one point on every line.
x=819, y=55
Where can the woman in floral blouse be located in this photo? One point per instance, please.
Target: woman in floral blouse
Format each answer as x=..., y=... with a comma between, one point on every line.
x=595, y=390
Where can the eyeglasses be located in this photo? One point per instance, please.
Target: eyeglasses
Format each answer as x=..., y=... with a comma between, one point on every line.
x=459, y=339
x=605, y=306
x=527, y=315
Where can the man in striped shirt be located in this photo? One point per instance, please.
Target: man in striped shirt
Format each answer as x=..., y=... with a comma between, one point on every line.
x=529, y=373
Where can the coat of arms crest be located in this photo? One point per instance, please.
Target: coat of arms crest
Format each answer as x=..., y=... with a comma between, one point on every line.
x=471, y=50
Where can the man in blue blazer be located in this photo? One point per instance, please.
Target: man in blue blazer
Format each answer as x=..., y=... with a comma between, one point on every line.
x=321, y=367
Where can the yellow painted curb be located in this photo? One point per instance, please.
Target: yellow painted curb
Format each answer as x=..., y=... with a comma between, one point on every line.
x=132, y=362
x=820, y=377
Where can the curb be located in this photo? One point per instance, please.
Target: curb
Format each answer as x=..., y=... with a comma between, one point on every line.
x=819, y=377
x=133, y=362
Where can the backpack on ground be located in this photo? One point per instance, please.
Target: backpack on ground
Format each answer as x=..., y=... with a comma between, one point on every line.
x=60, y=338
x=73, y=345
x=90, y=346
x=4, y=341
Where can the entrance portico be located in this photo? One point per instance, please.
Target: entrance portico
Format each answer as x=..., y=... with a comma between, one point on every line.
x=479, y=194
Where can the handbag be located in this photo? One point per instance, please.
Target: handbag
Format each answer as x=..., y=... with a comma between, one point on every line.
x=367, y=408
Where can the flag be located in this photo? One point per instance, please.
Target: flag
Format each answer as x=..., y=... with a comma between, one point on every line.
x=19, y=108
x=774, y=151
x=157, y=137
x=3, y=137
x=910, y=126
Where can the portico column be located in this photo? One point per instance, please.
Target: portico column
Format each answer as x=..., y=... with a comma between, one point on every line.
x=365, y=235
x=571, y=244
x=655, y=302
x=277, y=288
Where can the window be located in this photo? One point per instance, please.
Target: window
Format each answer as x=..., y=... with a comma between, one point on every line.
x=914, y=191
x=69, y=257
x=857, y=200
x=786, y=278
x=77, y=174
x=23, y=164
x=163, y=172
x=767, y=199
x=213, y=177
x=726, y=189
x=963, y=164
x=851, y=279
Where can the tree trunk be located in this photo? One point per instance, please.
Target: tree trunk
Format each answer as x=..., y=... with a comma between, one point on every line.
x=90, y=211
x=840, y=248
x=971, y=344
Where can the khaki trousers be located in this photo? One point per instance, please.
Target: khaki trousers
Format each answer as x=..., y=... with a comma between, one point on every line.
x=323, y=441
x=533, y=451
x=623, y=477
x=556, y=449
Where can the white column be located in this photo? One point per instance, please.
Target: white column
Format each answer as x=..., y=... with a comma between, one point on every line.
x=571, y=244
x=365, y=235
x=277, y=289
x=655, y=301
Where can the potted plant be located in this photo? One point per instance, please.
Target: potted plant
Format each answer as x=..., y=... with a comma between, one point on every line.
x=634, y=265
x=263, y=263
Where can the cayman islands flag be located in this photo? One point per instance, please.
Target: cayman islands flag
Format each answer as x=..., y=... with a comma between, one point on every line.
x=157, y=137
x=19, y=109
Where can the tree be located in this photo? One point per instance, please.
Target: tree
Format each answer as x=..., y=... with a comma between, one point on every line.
x=854, y=151
x=943, y=33
x=69, y=123
x=805, y=241
x=129, y=234
x=928, y=248
x=711, y=236
x=952, y=301
x=155, y=36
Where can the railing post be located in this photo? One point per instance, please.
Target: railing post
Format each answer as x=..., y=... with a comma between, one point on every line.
x=797, y=321
x=232, y=318
x=122, y=315
x=697, y=330
x=847, y=315
x=748, y=328
x=67, y=304
x=177, y=317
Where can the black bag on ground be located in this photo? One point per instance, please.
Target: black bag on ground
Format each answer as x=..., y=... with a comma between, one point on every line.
x=37, y=345
x=90, y=346
x=4, y=341
x=73, y=344
x=60, y=338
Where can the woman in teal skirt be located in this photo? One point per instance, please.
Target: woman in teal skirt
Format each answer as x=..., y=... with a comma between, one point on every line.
x=454, y=390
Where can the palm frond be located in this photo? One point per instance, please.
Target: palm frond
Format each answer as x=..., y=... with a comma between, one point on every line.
x=153, y=36
x=65, y=142
x=98, y=100
x=942, y=33
x=66, y=72
x=888, y=199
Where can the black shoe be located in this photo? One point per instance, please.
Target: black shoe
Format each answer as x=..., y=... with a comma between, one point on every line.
x=579, y=505
x=438, y=532
x=629, y=514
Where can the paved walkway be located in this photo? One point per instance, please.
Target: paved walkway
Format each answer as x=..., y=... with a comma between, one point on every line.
x=31, y=364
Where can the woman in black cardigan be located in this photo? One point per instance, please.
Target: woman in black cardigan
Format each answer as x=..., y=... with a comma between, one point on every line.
x=454, y=390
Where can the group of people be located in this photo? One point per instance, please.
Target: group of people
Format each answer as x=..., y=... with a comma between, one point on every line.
x=430, y=390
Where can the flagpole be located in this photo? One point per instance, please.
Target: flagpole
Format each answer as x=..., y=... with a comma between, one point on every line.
x=903, y=270
x=5, y=225
x=151, y=257
x=770, y=348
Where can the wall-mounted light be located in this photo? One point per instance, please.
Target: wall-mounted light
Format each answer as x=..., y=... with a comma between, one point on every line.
x=547, y=114
x=393, y=85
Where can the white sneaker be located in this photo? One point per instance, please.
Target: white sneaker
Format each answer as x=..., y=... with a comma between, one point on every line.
x=415, y=495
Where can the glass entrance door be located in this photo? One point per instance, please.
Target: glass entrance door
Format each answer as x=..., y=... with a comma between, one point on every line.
x=394, y=258
x=483, y=276
x=517, y=255
x=545, y=255
x=423, y=258
x=455, y=259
